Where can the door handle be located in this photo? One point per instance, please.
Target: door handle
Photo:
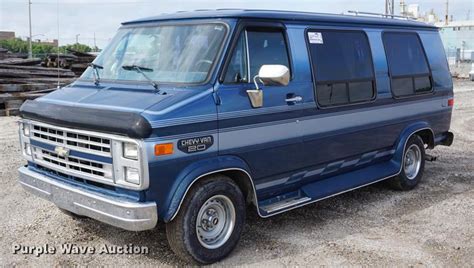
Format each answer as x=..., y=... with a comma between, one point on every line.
x=294, y=99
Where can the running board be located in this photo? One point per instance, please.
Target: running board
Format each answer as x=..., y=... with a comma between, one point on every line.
x=285, y=204
x=328, y=187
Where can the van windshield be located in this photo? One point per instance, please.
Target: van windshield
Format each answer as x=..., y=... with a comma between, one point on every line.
x=170, y=54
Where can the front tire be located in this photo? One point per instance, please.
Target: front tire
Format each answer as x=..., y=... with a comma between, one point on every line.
x=210, y=221
x=413, y=165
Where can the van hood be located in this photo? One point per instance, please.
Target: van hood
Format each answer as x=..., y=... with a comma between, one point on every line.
x=115, y=98
x=109, y=108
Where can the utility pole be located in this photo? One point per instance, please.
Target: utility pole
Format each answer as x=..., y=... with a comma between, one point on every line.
x=446, y=16
x=30, y=46
x=389, y=7
x=402, y=8
x=95, y=44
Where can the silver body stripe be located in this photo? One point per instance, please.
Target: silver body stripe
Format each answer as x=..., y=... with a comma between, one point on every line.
x=255, y=134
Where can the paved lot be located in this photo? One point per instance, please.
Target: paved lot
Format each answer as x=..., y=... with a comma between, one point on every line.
x=429, y=226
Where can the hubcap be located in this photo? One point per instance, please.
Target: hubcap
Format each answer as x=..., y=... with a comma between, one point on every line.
x=215, y=221
x=412, y=161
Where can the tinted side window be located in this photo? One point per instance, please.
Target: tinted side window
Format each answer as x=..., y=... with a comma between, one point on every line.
x=342, y=66
x=266, y=47
x=407, y=63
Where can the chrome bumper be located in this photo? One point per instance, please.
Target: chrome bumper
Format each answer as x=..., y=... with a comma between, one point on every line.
x=124, y=214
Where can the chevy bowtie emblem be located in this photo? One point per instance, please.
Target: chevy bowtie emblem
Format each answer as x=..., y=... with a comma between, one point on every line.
x=61, y=151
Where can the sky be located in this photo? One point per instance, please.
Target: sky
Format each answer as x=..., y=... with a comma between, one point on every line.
x=86, y=17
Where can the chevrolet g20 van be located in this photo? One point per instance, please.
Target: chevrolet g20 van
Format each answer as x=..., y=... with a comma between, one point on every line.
x=188, y=118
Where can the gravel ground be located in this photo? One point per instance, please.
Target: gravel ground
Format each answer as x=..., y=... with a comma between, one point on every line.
x=431, y=225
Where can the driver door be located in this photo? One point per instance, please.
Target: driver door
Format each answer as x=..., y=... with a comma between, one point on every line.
x=267, y=138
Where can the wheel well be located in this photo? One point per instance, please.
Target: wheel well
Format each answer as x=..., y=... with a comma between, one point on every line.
x=427, y=136
x=243, y=180
x=239, y=176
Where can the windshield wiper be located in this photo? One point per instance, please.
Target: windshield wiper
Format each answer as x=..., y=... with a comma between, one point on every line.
x=142, y=71
x=96, y=68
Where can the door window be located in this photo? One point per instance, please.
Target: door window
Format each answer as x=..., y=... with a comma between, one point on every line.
x=237, y=70
x=255, y=48
x=266, y=48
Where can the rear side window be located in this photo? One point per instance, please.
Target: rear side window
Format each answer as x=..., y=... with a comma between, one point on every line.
x=342, y=66
x=407, y=64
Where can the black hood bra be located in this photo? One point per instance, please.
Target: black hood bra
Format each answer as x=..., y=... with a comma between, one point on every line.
x=131, y=124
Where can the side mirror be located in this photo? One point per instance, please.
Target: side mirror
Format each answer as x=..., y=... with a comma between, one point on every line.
x=273, y=75
x=269, y=75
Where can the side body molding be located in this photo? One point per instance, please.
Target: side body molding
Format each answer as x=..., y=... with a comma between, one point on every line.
x=200, y=169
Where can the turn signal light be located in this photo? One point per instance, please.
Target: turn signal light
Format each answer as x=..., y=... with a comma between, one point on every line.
x=163, y=149
x=451, y=102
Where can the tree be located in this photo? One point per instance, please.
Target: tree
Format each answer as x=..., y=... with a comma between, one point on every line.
x=79, y=47
x=39, y=50
x=15, y=45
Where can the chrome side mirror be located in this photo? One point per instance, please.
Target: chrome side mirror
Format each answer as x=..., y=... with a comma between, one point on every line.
x=271, y=75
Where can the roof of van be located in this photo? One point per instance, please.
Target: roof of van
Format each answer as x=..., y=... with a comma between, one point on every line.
x=285, y=16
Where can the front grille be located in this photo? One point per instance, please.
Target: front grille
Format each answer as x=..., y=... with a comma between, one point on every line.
x=77, y=179
x=76, y=154
x=70, y=139
x=74, y=166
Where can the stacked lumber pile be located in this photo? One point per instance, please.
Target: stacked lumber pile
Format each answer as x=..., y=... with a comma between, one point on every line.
x=63, y=60
x=76, y=61
x=22, y=78
x=19, y=83
x=6, y=57
x=82, y=61
x=20, y=61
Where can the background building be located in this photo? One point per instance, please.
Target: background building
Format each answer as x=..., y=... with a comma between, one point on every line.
x=458, y=39
x=5, y=35
x=53, y=42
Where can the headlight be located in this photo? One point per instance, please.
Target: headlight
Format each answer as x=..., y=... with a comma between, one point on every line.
x=130, y=150
x=132, y=175
x=129, y=163
x=26, y=129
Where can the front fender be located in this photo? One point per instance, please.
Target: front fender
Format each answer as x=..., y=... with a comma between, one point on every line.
x=404, y=137
x=192, y=173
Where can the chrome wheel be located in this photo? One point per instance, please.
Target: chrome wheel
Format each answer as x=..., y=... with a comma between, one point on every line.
x=215, y=221
x=412, y=161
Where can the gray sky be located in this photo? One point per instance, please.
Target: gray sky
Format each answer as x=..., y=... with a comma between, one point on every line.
x=85, y=17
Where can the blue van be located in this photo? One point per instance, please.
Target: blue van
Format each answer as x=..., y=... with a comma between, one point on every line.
x=188, y=118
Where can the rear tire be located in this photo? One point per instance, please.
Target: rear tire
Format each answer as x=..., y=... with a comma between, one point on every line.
x=413, y=165
x=209, y=224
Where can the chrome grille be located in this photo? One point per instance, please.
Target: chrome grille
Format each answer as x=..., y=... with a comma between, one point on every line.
x=74, y=166
x=73, y=140
x=82, y=154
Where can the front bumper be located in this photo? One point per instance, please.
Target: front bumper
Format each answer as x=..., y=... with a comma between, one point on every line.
x=128, y=215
